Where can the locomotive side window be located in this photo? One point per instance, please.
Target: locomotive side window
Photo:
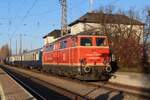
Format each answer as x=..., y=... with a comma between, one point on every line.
x=63, y=44
x=100, y=42
x=86, y=41
x=49, y=48
x=74, y=42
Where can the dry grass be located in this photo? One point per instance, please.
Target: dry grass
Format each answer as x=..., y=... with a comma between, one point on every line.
x=139, y=69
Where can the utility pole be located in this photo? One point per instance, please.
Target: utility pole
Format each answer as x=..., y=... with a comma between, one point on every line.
x=21, y=48
x=20, y=44
x=147, y=24
x=31, y=46
x=148, y=18
x=64, y=26
x=146, y=36
x=10, y=47
x=91, y=5
x=16, y=47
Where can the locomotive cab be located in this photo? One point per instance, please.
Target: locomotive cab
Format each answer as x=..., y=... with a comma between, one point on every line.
x=94, y=55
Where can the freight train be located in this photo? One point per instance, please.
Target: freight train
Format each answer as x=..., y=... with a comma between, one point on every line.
x=85, y=57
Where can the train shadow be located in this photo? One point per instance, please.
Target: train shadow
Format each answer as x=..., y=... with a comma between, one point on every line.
x=109, y=96
x=2, y=73
x=114, y=66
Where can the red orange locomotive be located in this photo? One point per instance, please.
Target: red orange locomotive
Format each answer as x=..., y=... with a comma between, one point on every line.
x=85, y=57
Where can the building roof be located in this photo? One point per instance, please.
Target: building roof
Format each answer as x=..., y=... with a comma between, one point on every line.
x=106, y=18
x=56, y=33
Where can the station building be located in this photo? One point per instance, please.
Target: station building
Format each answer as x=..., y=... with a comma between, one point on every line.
x=96, y=22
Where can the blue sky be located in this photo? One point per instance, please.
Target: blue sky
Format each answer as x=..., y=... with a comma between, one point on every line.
x=35, y=18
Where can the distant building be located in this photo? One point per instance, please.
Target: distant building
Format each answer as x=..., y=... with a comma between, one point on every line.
x=95, y=21
x=50, y=37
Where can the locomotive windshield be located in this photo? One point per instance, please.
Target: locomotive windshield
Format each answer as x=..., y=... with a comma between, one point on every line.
x=100, y=42
x=86, y=41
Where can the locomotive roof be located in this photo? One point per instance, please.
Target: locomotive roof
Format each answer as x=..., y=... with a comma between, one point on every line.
x=85, y=33
x=56, y=33
x=63, y=37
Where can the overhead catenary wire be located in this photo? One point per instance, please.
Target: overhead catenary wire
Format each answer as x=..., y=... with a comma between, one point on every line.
x=48, y=11
x=32, y=15
x=25, y=16
x=16, y=14
x=28, y=11
x=9, y=20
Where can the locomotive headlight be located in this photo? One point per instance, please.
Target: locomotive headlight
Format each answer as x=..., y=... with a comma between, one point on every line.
x=87, y=69
x=108, y=68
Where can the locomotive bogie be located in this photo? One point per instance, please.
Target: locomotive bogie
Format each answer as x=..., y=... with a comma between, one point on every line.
x=78, y=72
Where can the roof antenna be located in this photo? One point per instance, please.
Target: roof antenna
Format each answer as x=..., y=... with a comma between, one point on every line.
x=148, y=12
x=91, y=5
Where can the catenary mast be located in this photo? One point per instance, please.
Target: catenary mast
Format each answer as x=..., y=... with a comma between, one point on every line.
x=64, y=26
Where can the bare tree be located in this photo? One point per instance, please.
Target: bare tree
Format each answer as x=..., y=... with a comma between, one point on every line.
x=126, y=37
x=4, y=52
x=125, y=32
x=146, y=39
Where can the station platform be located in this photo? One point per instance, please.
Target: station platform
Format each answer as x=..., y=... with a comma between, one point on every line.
x=132, y=79
x=11, y=90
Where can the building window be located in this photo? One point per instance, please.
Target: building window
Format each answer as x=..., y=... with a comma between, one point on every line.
x=86, y=41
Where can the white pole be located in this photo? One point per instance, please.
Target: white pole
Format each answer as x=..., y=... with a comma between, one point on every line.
x=91, y=5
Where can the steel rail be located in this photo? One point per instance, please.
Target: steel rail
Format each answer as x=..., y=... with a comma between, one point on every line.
x=106, y=85
x=26, y=86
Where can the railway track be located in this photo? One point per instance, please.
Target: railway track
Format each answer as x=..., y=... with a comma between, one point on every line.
x=97, y=87
x=36, y=94
x=142, y=92
x=38, y=90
